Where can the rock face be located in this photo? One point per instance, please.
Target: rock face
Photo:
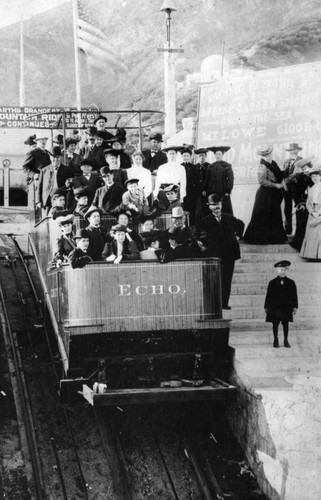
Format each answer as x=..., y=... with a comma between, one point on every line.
x=276, y=415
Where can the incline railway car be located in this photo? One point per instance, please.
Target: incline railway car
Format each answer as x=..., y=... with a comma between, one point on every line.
x=139, y=331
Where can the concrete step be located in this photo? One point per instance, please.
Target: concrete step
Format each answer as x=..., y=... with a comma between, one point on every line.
x=268, y=267
x=279, y=366
x=259, y=324
x=239, y=339
x=312, y=278
x=270, y=257
x=277, y=249
x=239, y=289
x=257, y=300
x=256, y=312
x=266, y=351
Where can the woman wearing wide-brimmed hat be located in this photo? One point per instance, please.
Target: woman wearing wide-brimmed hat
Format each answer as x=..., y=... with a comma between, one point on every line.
x=266, y=226
x=311, y=246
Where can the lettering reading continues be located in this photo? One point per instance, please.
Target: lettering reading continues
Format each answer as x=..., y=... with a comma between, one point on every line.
x=126, y=290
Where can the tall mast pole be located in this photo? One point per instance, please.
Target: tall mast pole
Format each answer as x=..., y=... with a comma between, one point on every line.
x=22, y=91
x=76, y=55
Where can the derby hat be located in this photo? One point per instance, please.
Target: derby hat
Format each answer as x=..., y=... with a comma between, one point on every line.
x=56, y=151
x=201, y=151
x=91, y=210
x=63, y=217
x=81, y=191
x=214, y=149
x=119, y=227
x=90, y=163
x=177, y=212
x=293, y=146
x=100, y=117
x=156, y=137
x=30, y=141
x=265, y=150
x=131, y=181
x=81, y=233
x=282, y=263
x=213, y=199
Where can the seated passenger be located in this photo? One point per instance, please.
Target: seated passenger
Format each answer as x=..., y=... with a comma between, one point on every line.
x=81, y=196
x=66, y=243
x=172, y=192
x=108, y=197
x=179, y=220
x=111, y=159
x=79, y=256
x=98, y=236
x=73, y=159
x=178, y=247
x=151, y=242
x=124, y=220
x=123, y=158
x=148, y=225
x=120, y=248
x=138, y=171
x=134, y=199
x=96, y=155
x=89, y=143
x=90, y=179
x=58, y=201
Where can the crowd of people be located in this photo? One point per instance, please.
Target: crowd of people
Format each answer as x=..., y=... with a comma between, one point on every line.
x=99, y=178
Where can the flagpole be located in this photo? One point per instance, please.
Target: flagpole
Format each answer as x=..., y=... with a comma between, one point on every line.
x=22, y=90
x=76, y=54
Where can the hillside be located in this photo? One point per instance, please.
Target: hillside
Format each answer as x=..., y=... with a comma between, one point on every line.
x=257, y=33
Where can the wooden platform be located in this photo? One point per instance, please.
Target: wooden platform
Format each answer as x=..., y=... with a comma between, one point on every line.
x=217, y=390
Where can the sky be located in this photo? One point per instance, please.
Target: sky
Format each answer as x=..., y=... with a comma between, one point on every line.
x=11, y=10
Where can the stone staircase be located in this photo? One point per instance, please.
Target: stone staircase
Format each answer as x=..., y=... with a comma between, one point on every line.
x=257, y=363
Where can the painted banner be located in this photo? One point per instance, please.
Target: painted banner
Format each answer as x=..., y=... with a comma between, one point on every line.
x=41, y=117
x=276, y=106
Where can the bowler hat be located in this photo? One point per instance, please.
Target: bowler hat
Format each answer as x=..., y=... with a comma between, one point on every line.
x=131, y=181
x=119, y=227
x=91, y=210
x=214, y=149
x=177, y=212
x=214, y=198
x=156, y=137
x=293, y=146
x=63, y=217
x=265, y=150
x=81, y=191
x=81, y=233
x=30, y=141
x=201, y=151
x=56, y=151
x=282, y=263
x=90, y=163
x=100, y=117
x=112, y=152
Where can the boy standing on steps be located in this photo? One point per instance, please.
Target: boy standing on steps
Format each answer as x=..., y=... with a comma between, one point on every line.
x=281, y=302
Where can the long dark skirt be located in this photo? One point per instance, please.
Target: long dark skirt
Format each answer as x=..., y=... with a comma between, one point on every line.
x=266, y=226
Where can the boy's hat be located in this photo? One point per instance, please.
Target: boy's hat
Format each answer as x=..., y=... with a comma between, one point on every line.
x=282, y=263
x=63, y=217
x=131, y=181
x=90, y=163
x=214, y=198
x=30, y=141
x=81, y=191
x=100, y=117
x=177, y=212
x=81, y=233
x=171, y=187
x=119, y=227
x=91, y=210
x=112, y=152
x=105, y=171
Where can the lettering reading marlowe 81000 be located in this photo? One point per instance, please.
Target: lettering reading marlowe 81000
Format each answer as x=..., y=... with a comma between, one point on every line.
x=126, y=290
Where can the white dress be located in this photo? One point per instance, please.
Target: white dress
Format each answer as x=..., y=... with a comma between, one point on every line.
x=311, y=246
x=171, y=173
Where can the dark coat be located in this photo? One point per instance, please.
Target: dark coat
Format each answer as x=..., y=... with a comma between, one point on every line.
x=96, y=155
x=153, y=162
x=65, y=245
x=78, y=258
x=98, y=237
x=74, y=164
x=221, y=236
x=219, y=178
x=130, y=250
x=109, y=199
x=281, y=298
x=94, y=183
x=49, y=180
x=125, y=161
x=35, y=160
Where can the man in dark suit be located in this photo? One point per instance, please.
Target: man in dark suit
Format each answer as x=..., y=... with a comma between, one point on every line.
x=108, y=197
x=222, y=233
x=290, y=183
x=52, y=177
x=79, y=257
x=98, y=236
x=89, y=179
x=154, y=157
x=37, y=158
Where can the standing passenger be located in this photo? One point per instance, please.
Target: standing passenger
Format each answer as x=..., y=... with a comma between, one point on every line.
x=288, y=169
x=171, y=172
x=79, y=257
x=97, y=235
x=219, y=178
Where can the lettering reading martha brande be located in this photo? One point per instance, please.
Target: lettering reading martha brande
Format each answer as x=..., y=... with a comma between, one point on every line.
x=275, y=106
x=126, y=290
